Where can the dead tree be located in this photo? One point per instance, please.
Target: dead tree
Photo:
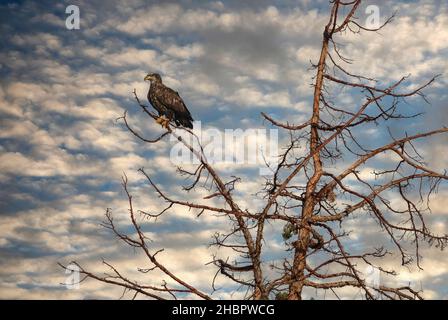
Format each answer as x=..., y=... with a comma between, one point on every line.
x=310, y=200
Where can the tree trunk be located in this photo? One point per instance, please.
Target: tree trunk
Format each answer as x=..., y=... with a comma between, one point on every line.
x=302, y=243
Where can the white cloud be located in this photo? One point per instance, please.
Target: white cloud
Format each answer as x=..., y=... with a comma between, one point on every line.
x=185, y=52
x=254, y=98
x=132, y=56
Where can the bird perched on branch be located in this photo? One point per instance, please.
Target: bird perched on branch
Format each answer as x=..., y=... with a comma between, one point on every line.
x=168, y=103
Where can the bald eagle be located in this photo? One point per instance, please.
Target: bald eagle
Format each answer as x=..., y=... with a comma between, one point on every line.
x=168, y=103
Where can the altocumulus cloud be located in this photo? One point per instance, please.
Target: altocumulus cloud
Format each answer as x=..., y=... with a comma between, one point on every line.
x=62, y=152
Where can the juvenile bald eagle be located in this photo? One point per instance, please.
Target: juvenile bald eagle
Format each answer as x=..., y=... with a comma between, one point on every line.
x=168, y=103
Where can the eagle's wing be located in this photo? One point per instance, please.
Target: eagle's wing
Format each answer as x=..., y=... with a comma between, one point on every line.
x=172, y=101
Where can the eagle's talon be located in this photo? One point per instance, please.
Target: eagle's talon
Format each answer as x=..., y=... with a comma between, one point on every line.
x=166, y=123
x=160, y=120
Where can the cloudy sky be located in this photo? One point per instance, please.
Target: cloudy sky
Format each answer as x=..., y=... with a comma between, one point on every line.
x=62, y=152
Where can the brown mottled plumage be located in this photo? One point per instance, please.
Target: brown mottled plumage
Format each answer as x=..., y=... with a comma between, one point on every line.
x=167, y=102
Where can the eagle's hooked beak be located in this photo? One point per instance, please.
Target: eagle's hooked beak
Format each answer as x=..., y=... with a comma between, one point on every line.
x=148, y=77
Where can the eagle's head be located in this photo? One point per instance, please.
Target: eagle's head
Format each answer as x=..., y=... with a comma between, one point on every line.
x=153, y=77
